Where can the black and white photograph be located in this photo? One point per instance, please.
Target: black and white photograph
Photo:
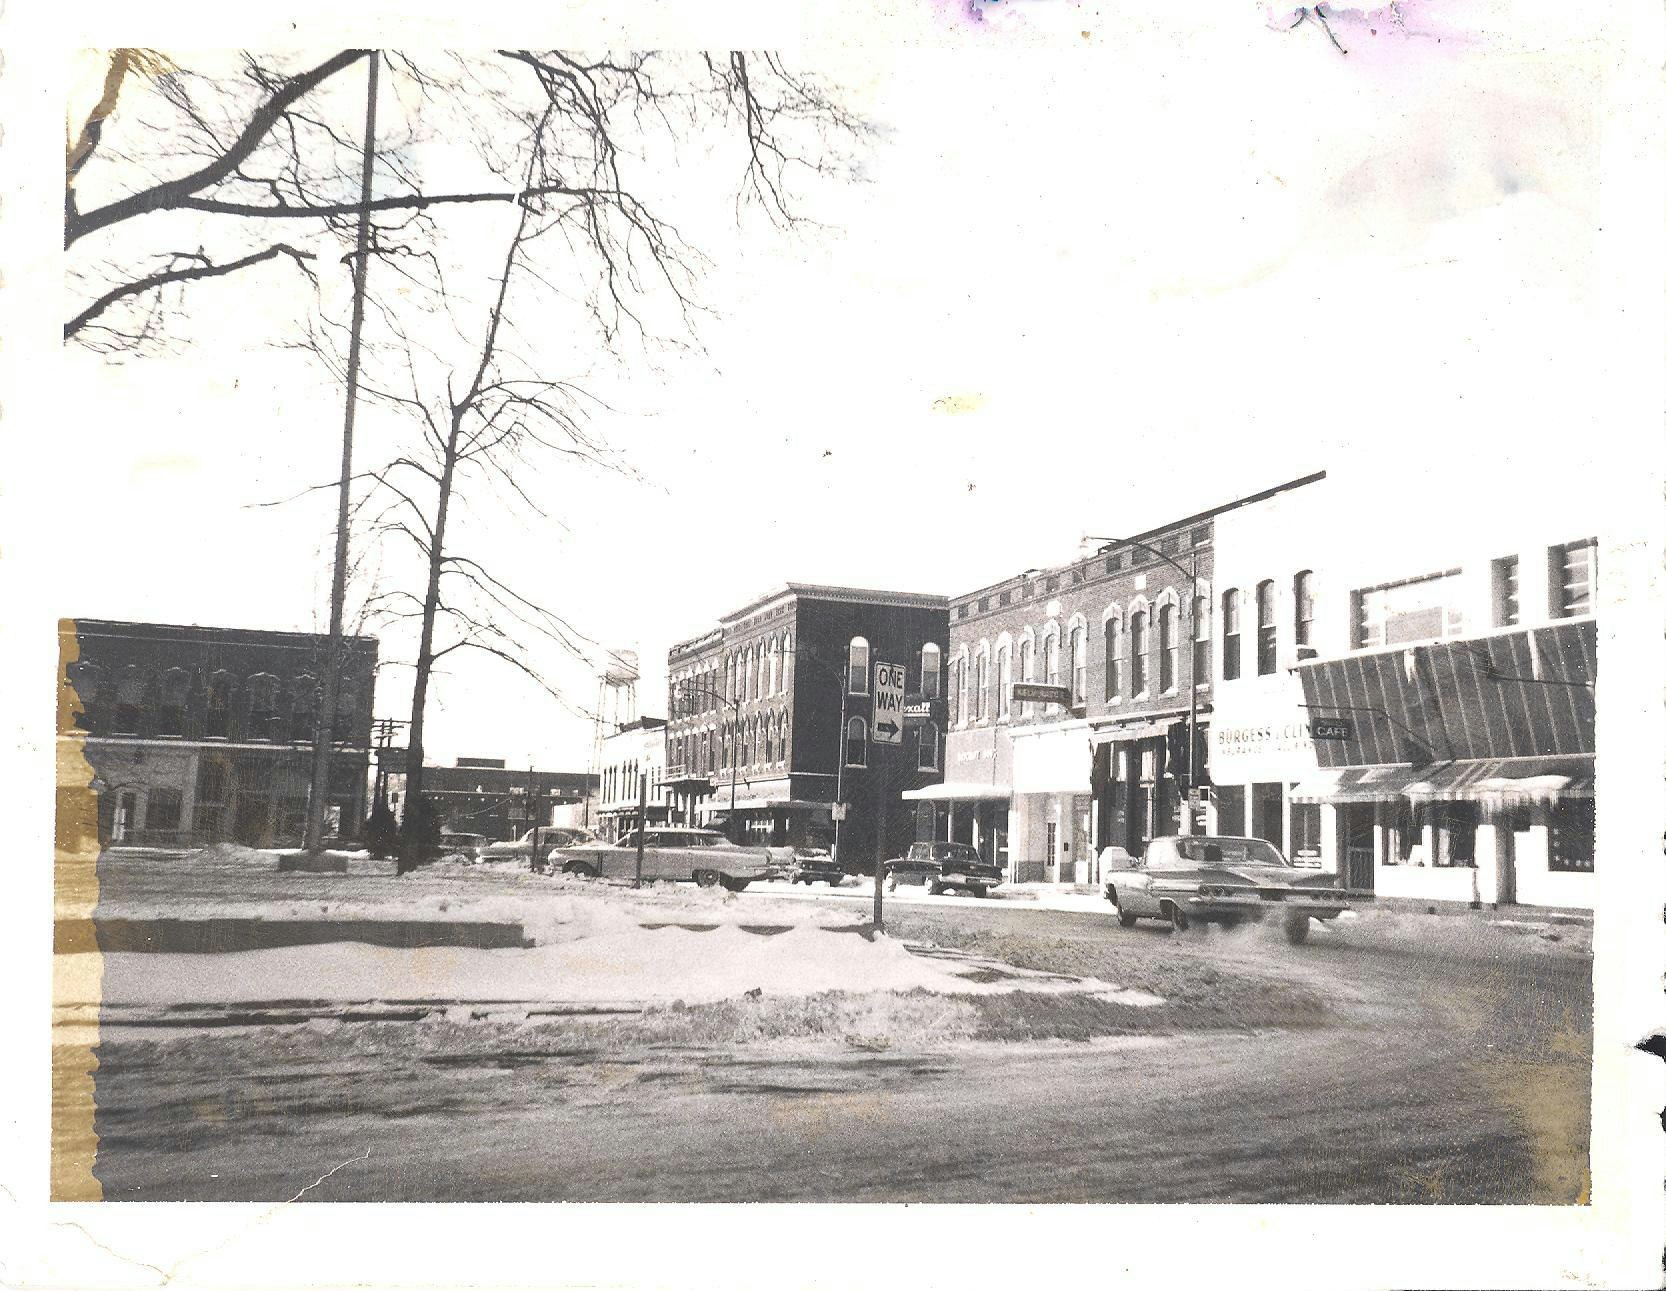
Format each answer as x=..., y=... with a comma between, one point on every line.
x=947, y=643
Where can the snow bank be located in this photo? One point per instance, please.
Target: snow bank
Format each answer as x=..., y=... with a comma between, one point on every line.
x=615, y=961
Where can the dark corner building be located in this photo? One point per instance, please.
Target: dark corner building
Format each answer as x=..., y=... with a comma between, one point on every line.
x=196, y=735
x=771, y=729
x=486, y=796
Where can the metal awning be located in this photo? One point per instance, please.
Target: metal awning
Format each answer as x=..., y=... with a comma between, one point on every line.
x=950, y=791
x=1357, y=784
x=1142, y=731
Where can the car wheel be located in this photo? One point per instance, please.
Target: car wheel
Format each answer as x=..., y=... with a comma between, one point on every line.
x=733, y=885
x=931, y=889
x=581, y=869
x=706, y=878
x=1176, y=916
x=1124, y=918
x=832, y=883
x=978, y=891
x=1295, y=928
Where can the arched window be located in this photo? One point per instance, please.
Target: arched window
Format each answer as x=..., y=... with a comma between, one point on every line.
x=786, y=662
x=786, y=741
x=858, y=666
x=130, y=701
x=1266, y=630
x=303, y=693
x=750, y=689
x=775, y=666
x=729, y=676
x=1026, y=668
x=931, y=671
x=705, y=752
x=1168, y=645
x=1304, y=608
x=980, y=685
x=263, y=707
x=1113, y=657
x=1231, y=656
x=1200, y=639
x=960, y=713
x=856, y=742
x=1050, y=658
x=1003, y=682
x=173, y=695
x=930, y=747
x=222, y=689
x=769, y=739
x=1078, y=665
x=1137, y=660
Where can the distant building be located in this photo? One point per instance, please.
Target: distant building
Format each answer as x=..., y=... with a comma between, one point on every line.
x=486, y=796
x=771, y=718
x=197, y=735
x=632, y=755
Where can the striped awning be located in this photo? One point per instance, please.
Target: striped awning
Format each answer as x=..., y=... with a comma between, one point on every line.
x=1501, y=782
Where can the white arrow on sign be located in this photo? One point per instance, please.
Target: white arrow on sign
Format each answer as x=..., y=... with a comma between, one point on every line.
x=887, y=703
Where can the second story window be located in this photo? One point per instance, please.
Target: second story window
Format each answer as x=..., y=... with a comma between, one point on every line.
x=1003, y=682
x=1200, y=640
x=1113, y=659
x=1266, y=629
x=856, y=742
x=1026, y=668
x=1304, y=608
x=1506, y=591
x=174, y=693
x=858, y=666
x=1050, y=659
x=931, y=671
x=1414, y=609
x=217, y=718
x=980, y=687
x=1078, y=666
x=1136, y=650
x=930, y=747
x=960, y=711
x=1231, y=647
x=1576, y=578
x=130, y=701
x=1168, y=645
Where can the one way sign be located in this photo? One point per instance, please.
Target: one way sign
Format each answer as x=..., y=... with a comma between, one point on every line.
x=887, y=703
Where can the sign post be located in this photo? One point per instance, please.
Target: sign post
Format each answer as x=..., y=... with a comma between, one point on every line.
x=888, y=690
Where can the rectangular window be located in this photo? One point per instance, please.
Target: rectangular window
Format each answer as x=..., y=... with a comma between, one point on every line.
x=1573, y=832
x=1229, y=810
x=1230, y=647
x=1269, y=813
x=1003, y=683
x=1266, y=630
x=1455, y=824
x=1078, y=667
x=1113, y=563
x=1136, y=651
x=1304, y=608
x=1113, y=659
x=1417, y=609
x=1506, y=591
x=162, y=810
x=1052, y=582
x=1304, y=835
x=1576, y=578
x=1200, y=640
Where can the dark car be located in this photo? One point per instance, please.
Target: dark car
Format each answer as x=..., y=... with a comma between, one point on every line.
x=814, y=865
x=1217, y=879
x=942, y=867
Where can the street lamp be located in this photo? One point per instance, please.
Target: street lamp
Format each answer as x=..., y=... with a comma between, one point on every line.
x=1190, y=617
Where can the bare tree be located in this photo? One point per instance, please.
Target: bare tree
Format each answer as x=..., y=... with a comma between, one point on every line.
x=259, y=164
x=594, y=137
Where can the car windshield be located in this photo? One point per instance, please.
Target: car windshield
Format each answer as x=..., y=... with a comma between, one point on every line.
x=1228, y=851
x=705, y=840
x=957, y=852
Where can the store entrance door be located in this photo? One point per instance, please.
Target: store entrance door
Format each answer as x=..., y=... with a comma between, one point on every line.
x=1359, y=846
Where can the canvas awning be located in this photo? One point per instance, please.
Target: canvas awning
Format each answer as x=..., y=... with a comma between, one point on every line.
x=1142, y=731
x=951, y=791
x=1498, y=781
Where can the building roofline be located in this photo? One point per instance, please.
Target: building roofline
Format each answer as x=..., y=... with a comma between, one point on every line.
x=132, y=628
x=1180, y=523
x=817, y=592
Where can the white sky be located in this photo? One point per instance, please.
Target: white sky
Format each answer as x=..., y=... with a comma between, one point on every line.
x=1154, y=285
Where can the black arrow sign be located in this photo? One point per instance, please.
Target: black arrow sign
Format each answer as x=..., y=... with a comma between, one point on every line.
x=887, y=727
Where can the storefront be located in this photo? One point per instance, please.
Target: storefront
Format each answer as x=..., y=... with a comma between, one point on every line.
x=1461, y=770
x=1137, y=793
x=965, y=813
x=1260, y=745
x=1052, y=804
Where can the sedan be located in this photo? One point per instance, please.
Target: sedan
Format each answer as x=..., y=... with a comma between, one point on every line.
x=943, y=867
x=814, y=865
x=550, y=838
x=702, y=855
x=1201, y=879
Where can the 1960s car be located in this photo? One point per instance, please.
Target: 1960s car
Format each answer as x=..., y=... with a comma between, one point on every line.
x=678, y=855
x=939, y=867
x=550, y=838
x=814, y=865
x=1215, y=879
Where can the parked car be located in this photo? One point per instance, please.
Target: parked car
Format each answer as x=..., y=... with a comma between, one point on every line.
x=1201, y=879
x=941, y=867
x=550, y=838
x=702, y=855
x=468, y=846
x=814, y=865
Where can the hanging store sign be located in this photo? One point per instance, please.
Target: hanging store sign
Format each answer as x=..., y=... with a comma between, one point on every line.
x=1035, y=692
x=1331, y=728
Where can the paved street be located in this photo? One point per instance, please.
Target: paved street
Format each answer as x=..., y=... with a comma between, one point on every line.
x=1455, y=1069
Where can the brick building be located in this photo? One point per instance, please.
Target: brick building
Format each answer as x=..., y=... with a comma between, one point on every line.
x=486, y=796
x=771, y=712
x=196, y=735
x=1043, y=788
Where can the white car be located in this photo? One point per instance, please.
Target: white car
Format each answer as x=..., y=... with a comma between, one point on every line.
x=703, y=856
x=550, y=838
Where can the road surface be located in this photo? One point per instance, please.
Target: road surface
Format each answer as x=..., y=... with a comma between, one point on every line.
x=1456, y=1070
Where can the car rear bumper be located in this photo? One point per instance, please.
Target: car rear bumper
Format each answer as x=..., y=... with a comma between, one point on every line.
x=1260, y=907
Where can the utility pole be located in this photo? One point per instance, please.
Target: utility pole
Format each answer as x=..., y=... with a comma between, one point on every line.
x=876, y=760
x=642, y=822
x=324, y=718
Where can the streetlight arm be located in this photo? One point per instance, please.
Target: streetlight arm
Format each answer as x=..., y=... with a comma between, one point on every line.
x=1147, y=547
